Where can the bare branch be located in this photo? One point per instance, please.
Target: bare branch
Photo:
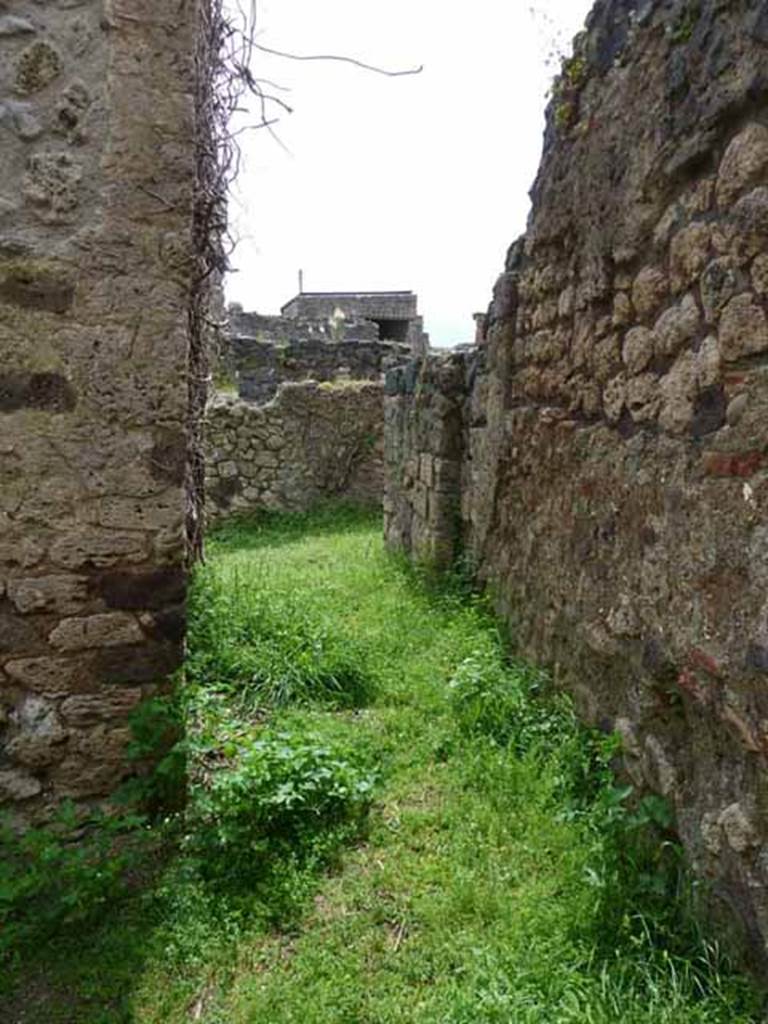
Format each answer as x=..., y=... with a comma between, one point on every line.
x=343, y=60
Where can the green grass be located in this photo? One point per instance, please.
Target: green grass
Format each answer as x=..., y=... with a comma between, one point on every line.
x=498, y=875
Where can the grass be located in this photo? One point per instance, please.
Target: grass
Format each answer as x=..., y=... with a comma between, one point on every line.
x=431, y=839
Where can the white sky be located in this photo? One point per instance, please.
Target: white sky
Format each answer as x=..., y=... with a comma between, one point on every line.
x=396, y=183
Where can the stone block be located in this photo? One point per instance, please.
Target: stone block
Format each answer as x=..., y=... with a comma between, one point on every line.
x=48, y=675
x=676, y=327
x=18, y=785
x=614, y=398
x=739, y=830
x=420, y=501
x=63, y=594
x=637, y=351
x=760, y=274
x=709, y=363
x=82, y=547
x=86, y=710
x=720, y=282
x=108, y=630
x=745, y=163
x=427, y=470
x=743, y=329
x=747, y=232
x=39, y=734
x=643, y=398
x=678, y=390
x=650, y=289
x=688, y=255
x=140, y=513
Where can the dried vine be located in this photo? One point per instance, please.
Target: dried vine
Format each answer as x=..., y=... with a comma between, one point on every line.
x=222, y=76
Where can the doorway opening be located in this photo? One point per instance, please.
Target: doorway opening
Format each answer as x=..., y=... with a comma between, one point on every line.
x=393, y=330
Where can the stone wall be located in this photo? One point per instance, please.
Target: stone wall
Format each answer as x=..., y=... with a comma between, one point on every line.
x=98, y=166
x=614, y=474
x=282, y=330
x=262, y=365
x=424, y=419
x=313, y=442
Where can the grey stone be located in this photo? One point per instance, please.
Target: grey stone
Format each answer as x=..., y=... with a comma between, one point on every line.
x=20, y=118
x=720, y=282
x=743, y=329
x=108, y=630
x=678, y=326
x=738, y=828
x=10, y=25
x=736, y=409
x=17, y=785
x=745, y=160
x=638, y=349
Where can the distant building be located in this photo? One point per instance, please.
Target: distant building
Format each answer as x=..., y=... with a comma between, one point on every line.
x=322, y=336
x=395, y=313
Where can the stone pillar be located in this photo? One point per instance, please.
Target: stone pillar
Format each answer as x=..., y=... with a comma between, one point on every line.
x=97, y=172
x=424, y=441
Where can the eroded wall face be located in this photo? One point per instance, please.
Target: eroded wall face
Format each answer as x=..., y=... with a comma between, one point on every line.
x=313, y=442
x=96, y=175
x=615, y=490
x=425, y=411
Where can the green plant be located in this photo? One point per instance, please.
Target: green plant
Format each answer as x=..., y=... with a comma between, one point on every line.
x=502, y=702
x=495, y=879
x=566, y=91
x=159, y=750
x=687, y=20
x=270, y=650
x=63, y=874
x=279, y=792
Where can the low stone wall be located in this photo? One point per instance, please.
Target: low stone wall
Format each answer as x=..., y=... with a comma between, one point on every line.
x=282, y=329
x=262, y=365
x=314, y=441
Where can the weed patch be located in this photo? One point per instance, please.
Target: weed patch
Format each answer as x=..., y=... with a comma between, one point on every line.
x=386, y=821
x=268, y=650
x=63, y=875
x=279, y=791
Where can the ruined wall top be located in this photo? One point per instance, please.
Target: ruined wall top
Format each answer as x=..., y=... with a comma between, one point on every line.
x=322, y=336
x=368, y=305
x=694, y=65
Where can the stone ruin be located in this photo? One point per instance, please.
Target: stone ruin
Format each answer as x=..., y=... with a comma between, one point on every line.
x=322, y=336
x=601, y=459
x=313, y=442
x=97, y=191
x=308, y=420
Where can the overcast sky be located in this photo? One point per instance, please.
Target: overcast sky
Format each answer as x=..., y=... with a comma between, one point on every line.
x=397, y=183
